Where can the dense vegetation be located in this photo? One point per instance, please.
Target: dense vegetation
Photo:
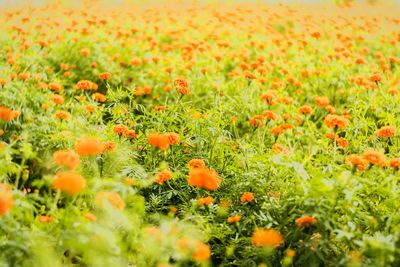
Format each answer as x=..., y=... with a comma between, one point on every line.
x=168, y=134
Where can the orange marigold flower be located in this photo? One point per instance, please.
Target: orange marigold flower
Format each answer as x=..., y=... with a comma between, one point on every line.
x=182, y=86
x=330, y=109
x=270, y=115
x=66, y=158
x=99, y=97
x=375, y=77
x=163, y=176
x=247, y=197
x=45, y=219
x=204, y=178
x=375, y=157
x=269, y=96
x=159, y=108
x=89, y=146
x=322, y=101
x=305, y=221
x=130, y=134
x=158, y=140
x=7, y=114
x=86, y=85
x=109, y=146
x=234, y=219
x=90, y=108
x=333, y=121
x=277, y=130
x=205, y=201
x=57, y=99
x=120, y=129
x=332, y=136
x=395, y=163
x=69, y=182
x=386, y=131
x=305, y=109
x=62, y=115
x=266, y=238
x=55, y=86
x=84, y=52
x=357, y=161
x=173, y=138
x=104, y=76
x=3, y=82
x=1, y=132
x=341, y=142
x=257, y=121
x=277, y=148
x=196, y=163
x=111, y=197
x=6, y=199
x=202, y=252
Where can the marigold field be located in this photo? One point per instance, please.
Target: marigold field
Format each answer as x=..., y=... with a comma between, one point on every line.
x=199, y=133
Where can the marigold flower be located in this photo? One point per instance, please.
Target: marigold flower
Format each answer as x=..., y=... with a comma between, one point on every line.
x=111, y=197
x=99, y=97
x=277, y=130
x=66, y=158
x=270, y=115
x=395, y=163
x=205, y=201
x=277, y=148
x=269, y=96
x=375, y=157
x=158, y=140
x=45, y=219
x=386, y=131
x=204, y=178
x=86, y=85
x=173, y=138
x=266, y=238
x=234, y=219
x=130, y=134
x=357, y=161
x=257, y=121
x=202, y=252
x=57, y=99
x=7, y=114
x=6, y=199
x=104, y=76
x=182, y=86
x=163, y=176
x=336, y=121
x=55, y=86
x=69, y=182
x=89, y=147
x=322, y=101
x=305, y=221
x=62, y=115
x=196, y=163
x=120, y=129
x=341, y=142
x=109, y=146
x=84, y=52
x=247, y=197
x=159, y=108
x=3, y=82
x=305, y=109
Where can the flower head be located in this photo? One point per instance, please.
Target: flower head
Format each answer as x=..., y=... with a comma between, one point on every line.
x=266, y=238
x=69, y=182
